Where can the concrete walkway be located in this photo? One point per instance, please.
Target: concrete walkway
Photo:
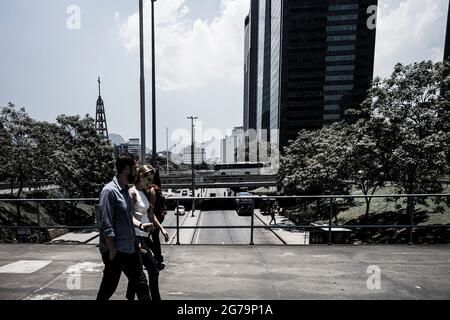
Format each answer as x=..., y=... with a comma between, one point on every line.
x=73, y=272
x=287, y=236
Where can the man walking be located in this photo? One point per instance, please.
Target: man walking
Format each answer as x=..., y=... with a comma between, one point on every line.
x=118, y=246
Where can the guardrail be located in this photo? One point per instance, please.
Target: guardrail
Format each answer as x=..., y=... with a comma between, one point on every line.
x=411, y=198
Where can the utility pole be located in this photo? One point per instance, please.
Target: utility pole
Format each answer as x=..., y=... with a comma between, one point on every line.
x=153, y=88
x=141, y=39
x=192, y=164
x=167, y=149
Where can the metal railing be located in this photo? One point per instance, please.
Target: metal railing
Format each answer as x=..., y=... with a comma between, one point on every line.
x=411, y=226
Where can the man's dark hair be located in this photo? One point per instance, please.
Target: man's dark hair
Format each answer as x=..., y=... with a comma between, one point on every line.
x=123, y=161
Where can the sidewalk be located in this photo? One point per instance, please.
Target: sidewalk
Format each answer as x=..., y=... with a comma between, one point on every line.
x=287, y=236
x=74, y=272
x=186, y=235
x=80, y=237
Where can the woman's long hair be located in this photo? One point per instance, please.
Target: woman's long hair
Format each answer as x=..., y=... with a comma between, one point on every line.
x=157, y=179
x=142, y=170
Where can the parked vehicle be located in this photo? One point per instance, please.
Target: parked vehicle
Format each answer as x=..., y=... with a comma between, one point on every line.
x=181, y=211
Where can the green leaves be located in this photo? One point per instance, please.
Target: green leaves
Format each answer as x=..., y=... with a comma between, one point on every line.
x=69, y=152
x=402, y=136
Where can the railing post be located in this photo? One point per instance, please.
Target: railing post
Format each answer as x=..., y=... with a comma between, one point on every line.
x=178, y=223
x=38, y=220
x=253, y=222
x=330, y=240
x=411, y=221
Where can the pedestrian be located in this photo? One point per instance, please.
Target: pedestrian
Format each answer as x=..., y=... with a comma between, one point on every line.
x=272, y=214
x=118, y=245
x=142, y=212
x=158, y=210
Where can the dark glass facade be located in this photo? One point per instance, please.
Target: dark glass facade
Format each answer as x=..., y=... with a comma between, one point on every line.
x=251, y=67
x=315, y=59
x=247, y=72
x=275, y=69
x=264, y=53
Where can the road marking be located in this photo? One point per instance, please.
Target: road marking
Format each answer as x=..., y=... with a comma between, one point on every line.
x=175, y=234
x=73, y=272
x=49, y=296
x=84, y=267
x=25, y=266
x=196, y=234
x=175, y=293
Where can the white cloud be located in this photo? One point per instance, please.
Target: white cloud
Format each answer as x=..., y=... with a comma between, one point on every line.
x=409, y=31
x=192, y=54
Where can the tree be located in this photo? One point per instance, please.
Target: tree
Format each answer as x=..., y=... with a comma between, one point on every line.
x=315, y=162
x=83, y=162
x=46, y=140
x=410, y=120
x=367, y=161
x=18, y=149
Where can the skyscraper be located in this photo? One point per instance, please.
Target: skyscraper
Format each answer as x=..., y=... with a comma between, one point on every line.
x=315, y=59
x=250, y=66
x=264, y=53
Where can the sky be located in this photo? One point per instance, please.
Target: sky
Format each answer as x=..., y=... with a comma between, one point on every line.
x=52, y=51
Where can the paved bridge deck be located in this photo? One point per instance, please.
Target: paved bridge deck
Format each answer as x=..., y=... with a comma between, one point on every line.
x=236, y=272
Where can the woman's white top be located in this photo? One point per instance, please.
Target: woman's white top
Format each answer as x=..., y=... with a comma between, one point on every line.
x=141, y=207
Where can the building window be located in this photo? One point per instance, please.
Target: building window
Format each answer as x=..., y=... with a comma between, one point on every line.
x=351, y=27
x=343, y=18
x=341, y=58
x=341, y=48
x=341, y=7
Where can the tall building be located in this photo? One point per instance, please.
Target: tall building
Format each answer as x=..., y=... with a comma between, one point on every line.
x=132, y=147
x=315, y=60
x=264, y=65
x=229, y=145
x=251, y=66
x=199, y=155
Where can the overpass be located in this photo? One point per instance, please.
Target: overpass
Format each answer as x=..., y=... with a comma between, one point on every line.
x=216, y=181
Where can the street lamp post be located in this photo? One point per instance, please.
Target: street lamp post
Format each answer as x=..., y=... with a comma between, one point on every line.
x=192, y=164
x=153, y=88
x=167, y=150
x=142, y=92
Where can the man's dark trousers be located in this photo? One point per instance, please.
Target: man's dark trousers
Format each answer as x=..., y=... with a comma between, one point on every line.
x=131, y=265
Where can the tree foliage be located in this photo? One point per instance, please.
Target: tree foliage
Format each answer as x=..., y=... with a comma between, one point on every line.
x=69, y=152
x=402, y=137
x=18, y=147
x=83, y=162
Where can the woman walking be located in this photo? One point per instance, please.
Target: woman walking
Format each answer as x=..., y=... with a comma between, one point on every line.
x=143, y=213
x=159, y=211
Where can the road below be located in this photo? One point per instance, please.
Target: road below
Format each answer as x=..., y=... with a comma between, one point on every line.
x=227, y=236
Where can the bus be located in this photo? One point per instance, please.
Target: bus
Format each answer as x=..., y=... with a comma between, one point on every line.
x=244, y=206
x=238, y=169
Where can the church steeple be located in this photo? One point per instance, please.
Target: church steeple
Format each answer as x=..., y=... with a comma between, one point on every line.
x=100, y=116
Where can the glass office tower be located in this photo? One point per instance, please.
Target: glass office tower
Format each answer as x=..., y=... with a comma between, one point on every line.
x=315, y=59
